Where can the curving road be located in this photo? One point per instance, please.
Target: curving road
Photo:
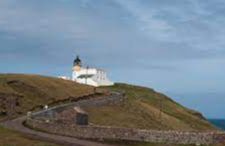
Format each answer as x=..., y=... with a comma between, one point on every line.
x=17, y=125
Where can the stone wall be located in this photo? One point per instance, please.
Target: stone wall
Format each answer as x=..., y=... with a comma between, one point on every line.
x=103, y=132
x=114, y=98
x=39, y=121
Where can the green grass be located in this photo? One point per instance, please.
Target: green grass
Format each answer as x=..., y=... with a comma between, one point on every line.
x=12, y=138
x=30, y=91
x=142, y=110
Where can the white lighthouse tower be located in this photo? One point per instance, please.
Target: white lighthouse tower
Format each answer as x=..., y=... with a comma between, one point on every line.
x=90, y=76
x=76, y=68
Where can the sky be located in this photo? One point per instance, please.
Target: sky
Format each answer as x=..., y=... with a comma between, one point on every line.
x=176, y=47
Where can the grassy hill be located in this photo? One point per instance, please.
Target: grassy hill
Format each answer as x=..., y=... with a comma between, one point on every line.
x=21, y=93
x=141, y=109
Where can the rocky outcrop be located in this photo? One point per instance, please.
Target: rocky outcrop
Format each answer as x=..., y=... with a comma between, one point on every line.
x=9, y=104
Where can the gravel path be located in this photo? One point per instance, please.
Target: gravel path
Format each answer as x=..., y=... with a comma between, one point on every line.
x=17, y=125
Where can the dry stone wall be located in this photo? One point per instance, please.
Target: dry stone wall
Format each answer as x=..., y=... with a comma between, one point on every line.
x=102, y=132
x=114, y=98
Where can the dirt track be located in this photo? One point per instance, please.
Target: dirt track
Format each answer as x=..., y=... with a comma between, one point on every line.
x=17, y=125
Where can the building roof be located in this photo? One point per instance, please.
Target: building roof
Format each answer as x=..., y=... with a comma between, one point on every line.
x=79, y=110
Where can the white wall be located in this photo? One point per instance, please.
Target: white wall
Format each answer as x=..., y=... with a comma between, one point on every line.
x=99, y=77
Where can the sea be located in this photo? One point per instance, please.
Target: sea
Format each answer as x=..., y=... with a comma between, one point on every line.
x=220, y=123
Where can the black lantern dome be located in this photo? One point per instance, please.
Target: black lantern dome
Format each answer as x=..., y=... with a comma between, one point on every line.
x=77, y=61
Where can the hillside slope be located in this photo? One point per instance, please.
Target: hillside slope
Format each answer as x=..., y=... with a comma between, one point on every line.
x=141, y=109
x=21, y=93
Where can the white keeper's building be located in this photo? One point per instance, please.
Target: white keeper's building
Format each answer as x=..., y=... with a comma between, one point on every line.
x=90, y=76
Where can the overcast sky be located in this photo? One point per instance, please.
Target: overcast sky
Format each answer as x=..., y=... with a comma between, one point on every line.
x=176, y=47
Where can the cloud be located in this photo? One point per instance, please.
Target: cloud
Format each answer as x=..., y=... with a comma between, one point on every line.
x=152, y=30
x=145, y=18
x=104, y=30
x=190, y=25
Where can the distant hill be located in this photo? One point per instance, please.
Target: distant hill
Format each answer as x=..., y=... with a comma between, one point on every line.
x=141, y=109
x=21, y=93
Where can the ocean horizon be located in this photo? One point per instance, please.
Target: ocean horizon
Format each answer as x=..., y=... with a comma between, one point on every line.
x=220, y=123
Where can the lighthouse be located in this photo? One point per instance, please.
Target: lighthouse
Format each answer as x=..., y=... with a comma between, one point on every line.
x=90, y=76
x=76, y=68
